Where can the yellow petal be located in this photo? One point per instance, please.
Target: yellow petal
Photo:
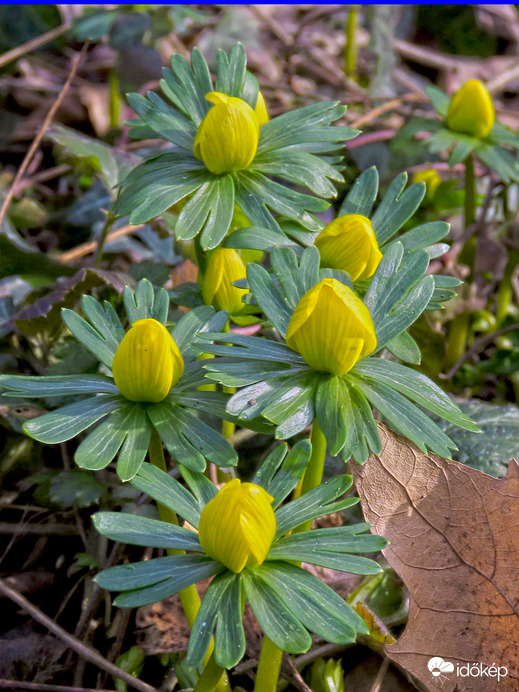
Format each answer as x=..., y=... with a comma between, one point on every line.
x=471, y=110
x=238, y=525
x=227, y=138
x=331, y=328
x=431, y=178
x=147, y=363
x=261, y=110
x=225, y=266
x=349, y=243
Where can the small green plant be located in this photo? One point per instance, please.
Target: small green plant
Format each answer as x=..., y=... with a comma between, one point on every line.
x=333, y=307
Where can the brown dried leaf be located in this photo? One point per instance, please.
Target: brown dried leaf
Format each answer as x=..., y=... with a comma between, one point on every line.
x=454, y=541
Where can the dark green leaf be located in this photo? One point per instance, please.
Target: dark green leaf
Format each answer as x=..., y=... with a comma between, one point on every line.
x=396, y=207
x=362, y=433
x=165, y=490
x=403, y=346
x=492, y=450
x=340, y=539
x=269, y=297
x=206, y=619
x=318, y=607
x=362, y=195
x=406, y=418
x=416, y=387
x=210, y=210
x=331, y=408
x=230, y=637
x=169, y=420
x=315, y=503
x=187, y=86
x=135, y=530
x=306, y=125
x=201, y=487
x=273, y=615
x=75, y=488
x=439, y=100
x=101, y=446
x=164, y=120
x=65, y=423
x=280, y=472
x=301, y=168
x=134, y=449
x=57, y=385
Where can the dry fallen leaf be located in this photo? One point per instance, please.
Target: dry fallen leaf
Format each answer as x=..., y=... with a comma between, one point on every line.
x=454, y=540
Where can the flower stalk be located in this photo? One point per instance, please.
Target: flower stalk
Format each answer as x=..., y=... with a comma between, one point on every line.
x=213, y=678
x=470, y=191
x=268, y=667
x=189, y=597
x=270, y=658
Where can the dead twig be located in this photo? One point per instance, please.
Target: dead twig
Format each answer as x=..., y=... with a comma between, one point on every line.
x=477, y=347
x=377, y=682
x=33, y=44
x=43, y=687
x=295, y=675
x=91, y=246
x=37, y=140
x=19, y=529
x=86, y=652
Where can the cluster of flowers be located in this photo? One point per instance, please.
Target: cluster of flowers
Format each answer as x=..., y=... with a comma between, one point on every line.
x=336, y=294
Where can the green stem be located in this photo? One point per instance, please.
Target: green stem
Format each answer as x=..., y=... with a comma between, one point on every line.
x=270, y=658
x=115, y=100
x=456, y=339
x=350, y=49
x=189, y=597
x=110, y=218
x=268, y=667
x=470, y=191
x=210, y=678
x=201, y=258
x=228, y=427
x=505, y=293
x=314, y=470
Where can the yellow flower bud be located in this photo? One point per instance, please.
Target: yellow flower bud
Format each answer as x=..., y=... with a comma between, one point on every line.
x=261, y=110
x=431, y=178
x=471, y=110
x=331, y=328
x=225, y=266
x=349, y=243
x=238, y=525
x=227, y=138
x=147, y=363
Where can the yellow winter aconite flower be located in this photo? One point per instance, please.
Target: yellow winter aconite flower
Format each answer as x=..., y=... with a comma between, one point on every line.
x=261, y=110
x=431, y=178
x=349, y=243
x=471, y=110
x=227, y=138
x=225, y=266
x=331, y=328
x=238, y=525
x=147, y=363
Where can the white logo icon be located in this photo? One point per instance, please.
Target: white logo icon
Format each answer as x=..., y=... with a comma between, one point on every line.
x=439, y=667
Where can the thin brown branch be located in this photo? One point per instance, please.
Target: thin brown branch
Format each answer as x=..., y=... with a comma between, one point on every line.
x=41, y=132
x=33, y=44
x=377, y=683
x=477, y=347
x=43, y=687
x=91, y=246
x=19, y=529
x=86, y=652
